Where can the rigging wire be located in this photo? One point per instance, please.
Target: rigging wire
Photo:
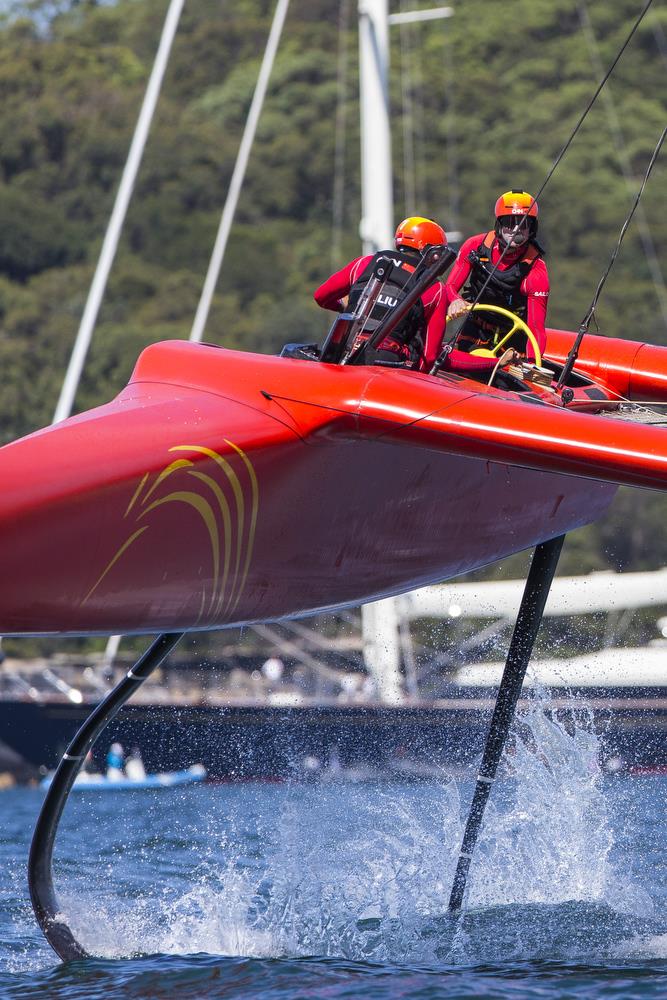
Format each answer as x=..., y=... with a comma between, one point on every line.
x=407, y=117
x=624, y=161
x=583, y=329
x=119, y=211
x=660, y=39
x=419, y=126
x=340, y=147
x=593, y=99
x=451, y=150
x=238, y=173
x=552, y=169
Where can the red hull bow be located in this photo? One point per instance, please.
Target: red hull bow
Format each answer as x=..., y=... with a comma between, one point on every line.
x=222, y=487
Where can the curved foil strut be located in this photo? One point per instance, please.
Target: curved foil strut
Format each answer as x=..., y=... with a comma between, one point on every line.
x=40, y=864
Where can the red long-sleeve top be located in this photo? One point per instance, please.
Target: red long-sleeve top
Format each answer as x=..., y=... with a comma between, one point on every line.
x=330, y=294
x=535, y=286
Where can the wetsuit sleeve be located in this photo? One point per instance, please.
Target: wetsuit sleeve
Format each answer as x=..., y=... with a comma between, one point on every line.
x=459, y=273
x=461, y=361
x=435, y=309
x=335, y=288
x=536, y=289
x=436, y=318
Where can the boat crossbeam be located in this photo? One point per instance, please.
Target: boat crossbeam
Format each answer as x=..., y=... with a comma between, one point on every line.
x=531, y=610
x=40, y=862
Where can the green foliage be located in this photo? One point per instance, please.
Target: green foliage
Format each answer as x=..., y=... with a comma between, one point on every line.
x=34, y=237
x=495, y=92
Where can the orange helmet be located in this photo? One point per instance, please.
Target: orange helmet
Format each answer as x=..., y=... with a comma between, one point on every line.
x=511, y=208
x=417, y=233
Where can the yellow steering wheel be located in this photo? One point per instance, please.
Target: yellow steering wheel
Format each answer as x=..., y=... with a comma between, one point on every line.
x=517, y=324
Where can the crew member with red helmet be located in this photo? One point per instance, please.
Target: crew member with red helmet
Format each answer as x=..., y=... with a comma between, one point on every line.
x=424, y=324
x=519, y=282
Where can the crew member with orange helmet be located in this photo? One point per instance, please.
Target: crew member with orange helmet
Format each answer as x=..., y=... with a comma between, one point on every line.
x=424, y=324
x=520, y=282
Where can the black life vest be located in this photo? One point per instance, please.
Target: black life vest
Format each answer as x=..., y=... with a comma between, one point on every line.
x=503, y=289
x=408, y=337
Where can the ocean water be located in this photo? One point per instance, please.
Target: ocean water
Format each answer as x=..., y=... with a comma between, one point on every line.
x=340, y=888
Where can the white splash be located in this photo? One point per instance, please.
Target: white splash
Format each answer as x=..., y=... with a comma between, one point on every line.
x=547, y=835
x=364, y=872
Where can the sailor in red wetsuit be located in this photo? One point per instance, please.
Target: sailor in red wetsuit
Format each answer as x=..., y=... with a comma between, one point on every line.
x=520, y=283
x=424, y=324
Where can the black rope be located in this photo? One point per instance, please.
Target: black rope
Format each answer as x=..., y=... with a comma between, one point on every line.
x=583, y=329
x=524, y=220
x=593, y=99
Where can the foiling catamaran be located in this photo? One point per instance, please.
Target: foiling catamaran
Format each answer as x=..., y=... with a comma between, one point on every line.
x=221, y=488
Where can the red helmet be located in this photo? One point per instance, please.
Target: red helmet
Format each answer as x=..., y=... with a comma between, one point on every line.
x=417, y=233
x=511, y=208
x=516, y=203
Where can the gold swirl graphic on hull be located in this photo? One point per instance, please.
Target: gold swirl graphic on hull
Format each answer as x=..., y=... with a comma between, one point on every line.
x=223, y=492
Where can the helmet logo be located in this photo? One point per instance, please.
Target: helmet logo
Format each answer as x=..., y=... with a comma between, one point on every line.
x=516, y=203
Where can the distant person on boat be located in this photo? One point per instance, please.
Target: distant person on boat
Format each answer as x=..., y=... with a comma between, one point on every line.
x=520, y=283
x=273, y=669
x=134, y=766
x=422, y=329
x=115, y=762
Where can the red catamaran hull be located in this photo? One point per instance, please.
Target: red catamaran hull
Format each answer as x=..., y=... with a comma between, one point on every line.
x=222, y=487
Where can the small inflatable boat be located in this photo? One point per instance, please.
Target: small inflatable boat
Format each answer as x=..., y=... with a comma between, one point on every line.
x=101, y=783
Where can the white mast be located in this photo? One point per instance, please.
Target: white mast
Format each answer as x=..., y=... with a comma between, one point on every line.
x=112, y=235
x=380, y=633
x=379, y=625
x=108, y=252
x=377, y=200
x=379, y=621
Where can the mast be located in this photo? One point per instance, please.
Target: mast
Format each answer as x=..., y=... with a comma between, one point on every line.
x=377, y=200
x=379, y=621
